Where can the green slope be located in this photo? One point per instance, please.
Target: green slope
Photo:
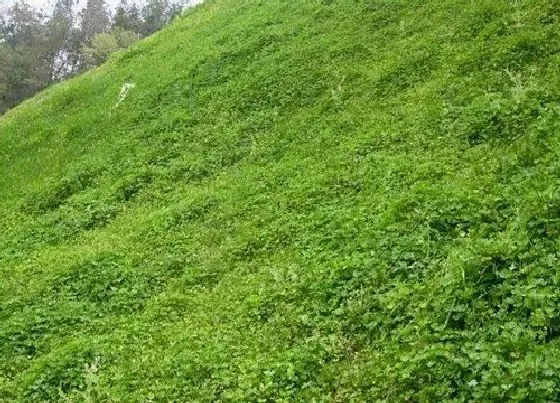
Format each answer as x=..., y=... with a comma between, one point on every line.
x=312, y=200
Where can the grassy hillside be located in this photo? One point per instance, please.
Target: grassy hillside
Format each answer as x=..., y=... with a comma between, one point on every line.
x=312, y=200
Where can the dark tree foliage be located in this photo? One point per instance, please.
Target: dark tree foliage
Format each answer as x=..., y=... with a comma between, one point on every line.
x=128, y=17
x=158, y=13
x=37, y=50
x=63, y=41
x=24, y=67
x=94, y=19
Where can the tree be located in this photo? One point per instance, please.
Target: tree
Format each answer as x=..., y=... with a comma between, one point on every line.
x=64, y=40
x=106, y=43
x=36, y=51
x=157, y=14
x=127, y=18
x=5, y=65
x=25, y=68
x=21, y=25
x=174, y=10
x=95, y=19
x=61, y=24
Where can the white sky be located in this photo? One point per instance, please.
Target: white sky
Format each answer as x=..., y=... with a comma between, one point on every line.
x=46, y=5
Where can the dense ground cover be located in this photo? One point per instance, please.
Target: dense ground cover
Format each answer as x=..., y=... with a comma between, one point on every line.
x=315, y=200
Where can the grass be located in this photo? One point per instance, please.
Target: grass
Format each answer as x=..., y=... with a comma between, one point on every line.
x=297, y=201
